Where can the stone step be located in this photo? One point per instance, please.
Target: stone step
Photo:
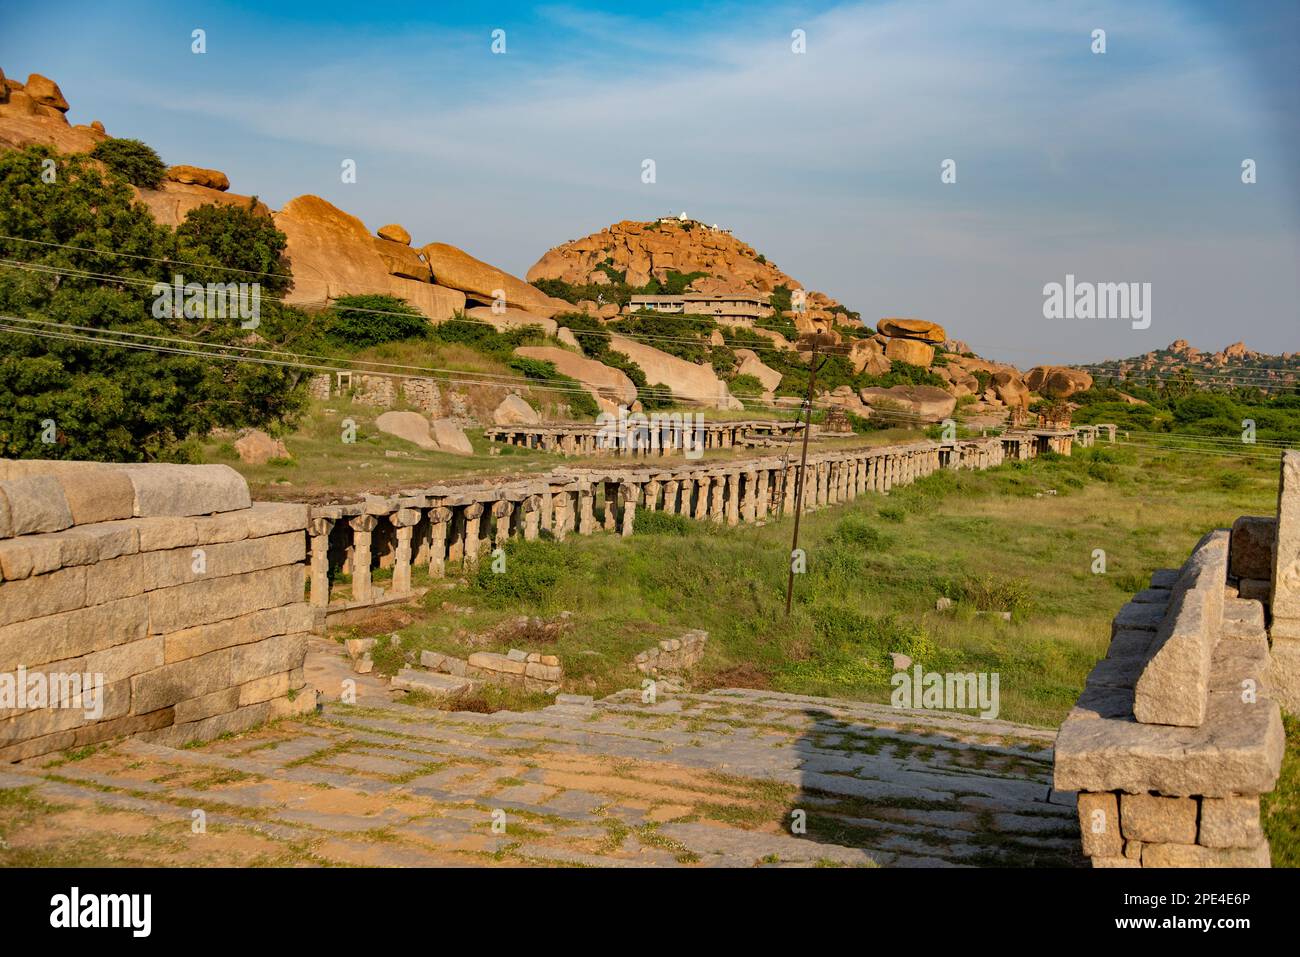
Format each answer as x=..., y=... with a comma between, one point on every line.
x=435, y=684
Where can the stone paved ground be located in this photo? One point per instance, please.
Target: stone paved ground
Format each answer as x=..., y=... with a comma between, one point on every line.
x=697, y=779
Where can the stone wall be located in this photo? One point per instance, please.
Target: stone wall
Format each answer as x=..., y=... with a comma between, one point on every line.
x=1179, y=731
x=673, y=654
x=162, y=585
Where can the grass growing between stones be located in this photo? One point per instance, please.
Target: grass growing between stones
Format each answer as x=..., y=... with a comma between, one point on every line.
x=1021, y=539
x=1280, y=809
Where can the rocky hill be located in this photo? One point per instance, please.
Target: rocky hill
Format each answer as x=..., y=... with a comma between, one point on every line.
x=1231, y=365
x=901, y=366
x=674, y=252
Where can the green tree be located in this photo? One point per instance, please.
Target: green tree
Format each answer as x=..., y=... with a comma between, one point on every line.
x=134, y=161
x=368, y=320
x=109, y=402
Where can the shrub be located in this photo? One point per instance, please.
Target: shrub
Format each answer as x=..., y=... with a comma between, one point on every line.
x=663, y=523
x=532, y=572
x=858, y=531
x=134, y=161
x=362, y=321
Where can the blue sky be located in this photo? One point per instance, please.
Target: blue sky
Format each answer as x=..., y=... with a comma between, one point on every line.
x=1118, y=167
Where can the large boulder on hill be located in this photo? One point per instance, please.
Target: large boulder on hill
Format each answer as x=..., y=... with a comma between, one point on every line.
x=45, y=92
x=751, y=364
x=170, y=204
x=512, y=319
x=333, y=254
x=402, y=261
x=912, y=351
x=481, y=282
x=778, y=340
x=513, y=410
x=255, y=447
x=610, y=387
x=198, y=176
x=1057, y=382
x=442, y=435
x=395, y=233
x=408, y=426
x=688, y=381
x=912, y=329
x=924, y=403
x=25, y=122
x=1010, y=389
x=868, y=355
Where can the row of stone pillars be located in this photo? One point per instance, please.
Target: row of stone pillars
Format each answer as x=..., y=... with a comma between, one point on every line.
x=443, y=527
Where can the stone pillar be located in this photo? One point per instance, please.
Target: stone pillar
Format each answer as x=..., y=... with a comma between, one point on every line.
x=473, y=515
x=749, y=501
x=717, y=488
x=791, y=479
x=629, y=493
x=320, y=529
x=733, y=498
x=501, y=513
x=532, y=507
x=611, y=506
x=670, y=496
x=586, y=509
x=548, y=509
x=439, y=519
x=561, y=503
x=404, y=521
x=362, y=527
x=702, y=488
x=651, y=501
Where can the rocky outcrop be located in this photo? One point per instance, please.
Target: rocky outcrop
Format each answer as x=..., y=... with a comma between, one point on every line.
x=868, y=355
x=610, y=387
x=173, y=202
x=198, y=176
x=912, y=351
x=483, y=283
x=512, y=319
x=923, y=402
x=689, y=382
x=1010, y=389
x=33, y=114
x=333, y=255
x=442, y=435
x=255, y=447
x=751, y=364
x=920, y=329
x=1057, y=382
x=513, y=410
x=395, y=233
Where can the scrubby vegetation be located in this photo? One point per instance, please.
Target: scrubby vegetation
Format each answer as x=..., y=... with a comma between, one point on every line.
x=134, y=161
x=1180, y=405
x=96, y=401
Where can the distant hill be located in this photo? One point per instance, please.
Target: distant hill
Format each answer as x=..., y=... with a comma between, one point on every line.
x=1231, y=366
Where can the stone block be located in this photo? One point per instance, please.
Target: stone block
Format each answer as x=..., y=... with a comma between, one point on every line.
x=205, y=729
x=41, y=595
x=1259, y=589
x=196, y=709
x=275, y=518
x=301, y=701
x=165, y=489
x=216, y=599
x=36, y=504
x=268, y=687
x=1152, y=818
x=98, y=495
x=269, y=657
x=72, y=634
x=1175, y=684
x=1118, y=861
x=124, y=661
x=1250, y=550
x=437, y=685
x=543, y=672
x=1138, y=615
x=1286, y=542
x=70, y=714
x=1284, y=672
x=255, y=626
x=1099, y=825
x=1230, y=822
x=1194, y=855
x=164, y=532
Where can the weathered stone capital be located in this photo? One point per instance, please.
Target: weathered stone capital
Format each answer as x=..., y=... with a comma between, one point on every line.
x=321, y=526
x=474, y=510
x=404, y=517
x=363, y=523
